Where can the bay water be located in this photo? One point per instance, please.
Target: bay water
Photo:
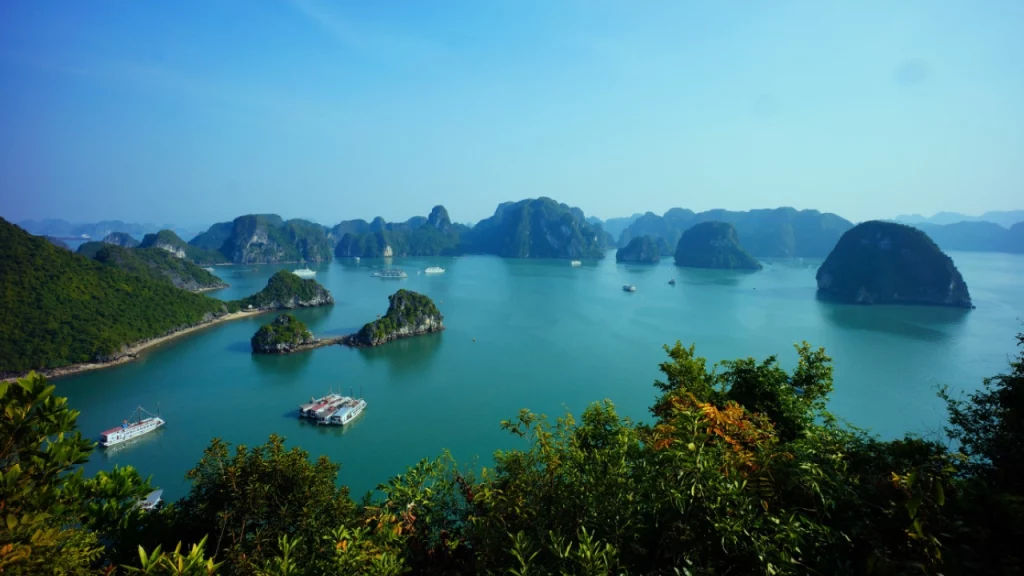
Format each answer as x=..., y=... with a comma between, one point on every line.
x=534, y=334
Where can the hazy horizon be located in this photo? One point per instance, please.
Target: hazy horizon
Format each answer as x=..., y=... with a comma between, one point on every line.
x=197, y=112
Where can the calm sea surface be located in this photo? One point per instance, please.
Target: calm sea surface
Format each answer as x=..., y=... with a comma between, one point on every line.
x=539, y=335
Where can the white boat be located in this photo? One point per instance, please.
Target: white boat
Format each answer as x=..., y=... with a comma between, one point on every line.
x=209, y=269
x=356, y=258
x=575, y=263
x=317, y=405
x=304, y=273
x=347, y=412
x=629, y=288
x=151, y=501
x=390, y=273
x=128, y=429
x=434, y=270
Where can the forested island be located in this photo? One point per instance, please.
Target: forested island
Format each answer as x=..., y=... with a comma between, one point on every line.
x=643, y=249
x=741, y=471
x=63, y=310
x=409, y=314
x=888, y=263
x=285, y=334
x=713, y=245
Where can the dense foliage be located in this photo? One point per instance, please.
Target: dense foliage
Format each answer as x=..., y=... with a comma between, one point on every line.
x=286, y=290
x=407, y=311
x=265, y=238
x=883, y=262
x=641, y=249
x=159, y=265
x=536, y=228
x=778, y=232
x=284, y=333
x=59, y=308
x=741, y=471
x=713, y=245
x=433, y=236
x=170, y=242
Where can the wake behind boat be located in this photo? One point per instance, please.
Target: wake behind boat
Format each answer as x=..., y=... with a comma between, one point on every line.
x=129, y=430
x=304, y=273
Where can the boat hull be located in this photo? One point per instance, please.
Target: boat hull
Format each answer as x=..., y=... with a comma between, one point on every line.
x=121, y=436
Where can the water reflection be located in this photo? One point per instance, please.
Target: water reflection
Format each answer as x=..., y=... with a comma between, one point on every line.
x=284, y=364
x=926, y=323
x=406, y=355
x=716, y=277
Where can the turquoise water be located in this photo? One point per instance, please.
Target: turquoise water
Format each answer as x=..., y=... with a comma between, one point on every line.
x=536, y=334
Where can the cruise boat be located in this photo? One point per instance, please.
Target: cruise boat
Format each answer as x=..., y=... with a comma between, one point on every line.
x=318, y=405
x=434, y=270
x=129, y=429
x=575, y=263
x=390, y=273
x=304, y=273
x=629, y=288
x=150, y=502
x=346, y=412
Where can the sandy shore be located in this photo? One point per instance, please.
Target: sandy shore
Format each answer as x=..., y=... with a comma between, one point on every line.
x=133, y=351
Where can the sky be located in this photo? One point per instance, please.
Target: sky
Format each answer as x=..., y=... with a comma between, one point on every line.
x=196, y=111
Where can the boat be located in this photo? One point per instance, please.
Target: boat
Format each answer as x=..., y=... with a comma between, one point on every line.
x=356, y=258
x=317, y=405
x=672, y=282
x=304, y=273
x=346, y=412
x=575, y=263
x=434, y=270
x=391, y=273
x=629, y=288
x=128, y=429
x=209, y=269
x=150, y=502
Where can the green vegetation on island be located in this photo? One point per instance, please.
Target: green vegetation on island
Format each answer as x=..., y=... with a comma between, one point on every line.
x=642, y=249
x=775, y=233
x=284, y=334
x=286, y=290
x=713, y=245
x=265, y=238
x=741, y=471
x=60, y=308
x=888, y=263
x=120, y=239
x=158, y=264
x=409, y=314
x=537, y=228
x=433, y=236
x=170, y=242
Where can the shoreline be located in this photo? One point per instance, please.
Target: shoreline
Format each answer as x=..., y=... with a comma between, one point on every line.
x=133, y=351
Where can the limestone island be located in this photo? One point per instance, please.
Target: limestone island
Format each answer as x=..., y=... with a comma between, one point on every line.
x=286, y=290
x=286, y=334
x=643, y=249
x=409, y=314
x=713, y=245
x=887, y=263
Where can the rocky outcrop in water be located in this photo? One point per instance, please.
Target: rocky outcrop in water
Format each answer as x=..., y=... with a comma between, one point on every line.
x=713, y=245
x=643, y=249
x=537, y=228
x=888, y=263
x=285, y=334
x=409, y=314
x=286, y=291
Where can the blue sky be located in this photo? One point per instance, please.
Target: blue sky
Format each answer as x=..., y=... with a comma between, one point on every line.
x=198, y=111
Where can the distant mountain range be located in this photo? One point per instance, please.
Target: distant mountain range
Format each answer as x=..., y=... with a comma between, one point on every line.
x=95, y=231
x=1005, y=218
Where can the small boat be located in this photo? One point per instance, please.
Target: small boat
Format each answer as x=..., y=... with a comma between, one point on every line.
x=346, y=412
x=575, y=263
x=304, y=273
x=128, y=429
x=150, y=502
x=672, y=282
x=356, y=258
x=629, y=288
x=434, y=270
x=209, y=269
x=390, y=273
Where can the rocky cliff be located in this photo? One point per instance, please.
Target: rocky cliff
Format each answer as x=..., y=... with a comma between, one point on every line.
x=409, y=314
x=285, y=334
x=713, y=245
x=171, y=243
x=286, y=290
x=642, y=249
x=888, y=263
x=537, y=228
x=431, y=236
x=120, y=239
x=266, y=238
x=158, y=264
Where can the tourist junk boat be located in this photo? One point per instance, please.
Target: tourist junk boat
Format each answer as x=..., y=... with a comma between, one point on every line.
x=390, y=273
x=150, y=502
x=672, y=282
x=129, y=430
x=575, y=263
x=304, y=273
x=332, y=409
x=629, y=288
x=434, y=270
